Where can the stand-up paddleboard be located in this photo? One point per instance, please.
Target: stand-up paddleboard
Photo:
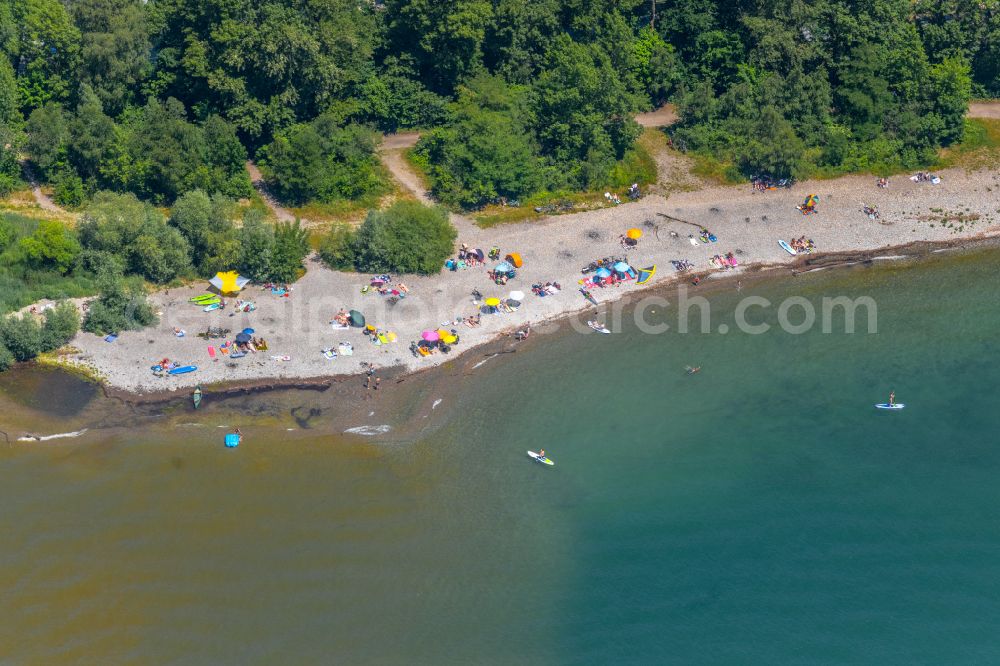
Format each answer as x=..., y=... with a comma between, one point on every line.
x=597, y=327
x=202, y=297
x=787, y=248
x=183, y=370
x=885, y=405
x=540, y=458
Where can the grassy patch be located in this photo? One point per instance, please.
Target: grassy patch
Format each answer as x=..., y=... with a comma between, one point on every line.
x=552, y=203
x=335, y=211
x=22, y=285
x=979, y=149
x=713, y=170
x=637, y=165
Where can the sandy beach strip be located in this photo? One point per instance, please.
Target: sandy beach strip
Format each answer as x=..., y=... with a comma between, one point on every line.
x=555, y=249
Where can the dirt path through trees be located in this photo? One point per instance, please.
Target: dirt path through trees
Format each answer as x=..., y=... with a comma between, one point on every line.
x=283, y=214
x=43, y=200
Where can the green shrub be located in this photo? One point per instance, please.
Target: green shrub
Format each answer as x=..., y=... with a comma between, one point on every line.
x=121, y=225
x=121, y=306
x=408, y=237
x=68, y=189
x=6, y=358
x=291, y=245
x=256, y=244
x=52, y=245
x=22, y=336
x=205, y=221
x=337, y=248
x=61, y=324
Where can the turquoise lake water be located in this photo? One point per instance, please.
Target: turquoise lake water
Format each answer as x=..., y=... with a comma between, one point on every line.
x=760, y=511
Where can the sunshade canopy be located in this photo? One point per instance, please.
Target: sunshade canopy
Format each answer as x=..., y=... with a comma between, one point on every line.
x=645, y=274
x=447, y=337
x=229, y=282
x=515, y=259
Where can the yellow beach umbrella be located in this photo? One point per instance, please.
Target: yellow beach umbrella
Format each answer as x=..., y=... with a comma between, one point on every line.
x=634, y=234
x=492, y=302
x=229, y=282
x=447, y=337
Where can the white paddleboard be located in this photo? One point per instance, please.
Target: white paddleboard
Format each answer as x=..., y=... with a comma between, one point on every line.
x=885, y=405
x=597, y=327
x=541, y=459
x=787, y=248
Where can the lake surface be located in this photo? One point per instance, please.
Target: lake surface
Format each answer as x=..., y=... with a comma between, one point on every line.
x=760, y=511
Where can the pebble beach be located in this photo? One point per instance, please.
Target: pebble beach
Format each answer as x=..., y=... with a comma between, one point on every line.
x=964, y=205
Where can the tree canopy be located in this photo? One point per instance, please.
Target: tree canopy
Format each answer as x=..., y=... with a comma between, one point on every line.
x=161, y=98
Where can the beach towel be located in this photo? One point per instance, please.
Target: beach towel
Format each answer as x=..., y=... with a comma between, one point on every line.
x=110, y=338
x=329, y=353
x=211, y=352
x=345, y=349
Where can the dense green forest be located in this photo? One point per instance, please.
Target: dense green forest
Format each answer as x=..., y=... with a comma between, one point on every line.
x=160, y=97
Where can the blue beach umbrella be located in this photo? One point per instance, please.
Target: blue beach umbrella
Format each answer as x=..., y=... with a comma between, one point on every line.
x=503, y=267
x=622, y=267
x=602, y=272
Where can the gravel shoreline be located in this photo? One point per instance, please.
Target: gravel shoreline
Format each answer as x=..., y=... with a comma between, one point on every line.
x=555, y=249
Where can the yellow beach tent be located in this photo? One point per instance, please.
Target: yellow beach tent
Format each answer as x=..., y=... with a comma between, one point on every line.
x=229, y=282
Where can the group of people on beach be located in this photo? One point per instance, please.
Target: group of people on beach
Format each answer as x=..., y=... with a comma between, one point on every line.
x=802, y=245
x=925, y=177
x=725, y=261
x=382, y=284
x=342, y=319
x=765, y=183
x=547, y=289
x=871, y=211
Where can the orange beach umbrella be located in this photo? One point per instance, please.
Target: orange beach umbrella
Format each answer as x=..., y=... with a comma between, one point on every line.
x=634, y=234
